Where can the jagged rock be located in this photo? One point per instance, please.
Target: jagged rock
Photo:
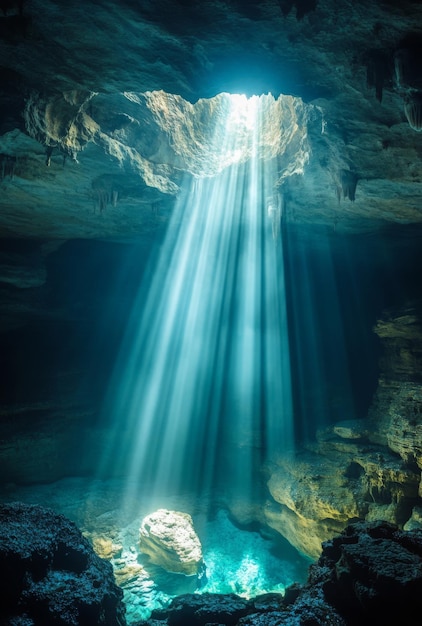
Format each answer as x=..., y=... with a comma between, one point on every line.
x=415, y=520
x=322, y=489
x=370, y=572
x=401, y=335
x=169, y=539
x=53, y=576
x=398, y=411
x=315, y=497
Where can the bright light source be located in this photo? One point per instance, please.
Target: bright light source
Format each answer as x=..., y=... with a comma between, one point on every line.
x=243, y=113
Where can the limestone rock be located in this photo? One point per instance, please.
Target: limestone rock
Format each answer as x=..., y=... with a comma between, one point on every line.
x=397, y=407
x=53, y=576
x=361, y=469
x=400, y=331
x=105, y=547
x=315, y=500
x=77, y=106
x=169, y=539
x=322, y=489
x=415, y=520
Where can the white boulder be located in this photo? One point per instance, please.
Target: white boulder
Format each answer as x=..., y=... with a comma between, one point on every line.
x=169, y=539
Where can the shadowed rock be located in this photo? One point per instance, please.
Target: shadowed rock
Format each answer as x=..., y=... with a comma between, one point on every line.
x=53, y=576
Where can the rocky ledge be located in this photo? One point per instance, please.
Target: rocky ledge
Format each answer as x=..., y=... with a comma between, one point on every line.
x=367, y=469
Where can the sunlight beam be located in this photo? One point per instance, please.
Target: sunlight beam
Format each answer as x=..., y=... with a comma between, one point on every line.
x=203, y=397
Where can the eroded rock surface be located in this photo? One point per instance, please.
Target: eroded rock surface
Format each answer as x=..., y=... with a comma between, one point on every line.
x=366, y=470
x=74, y=86
x=170, y=540
x=51, y=575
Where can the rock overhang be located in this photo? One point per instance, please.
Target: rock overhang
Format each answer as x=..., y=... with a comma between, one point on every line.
x=352, y=64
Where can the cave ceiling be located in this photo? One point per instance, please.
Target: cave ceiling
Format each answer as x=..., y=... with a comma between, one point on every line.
x=104, y=108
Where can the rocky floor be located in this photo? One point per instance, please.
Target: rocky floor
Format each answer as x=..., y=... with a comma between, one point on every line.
x=242, y=561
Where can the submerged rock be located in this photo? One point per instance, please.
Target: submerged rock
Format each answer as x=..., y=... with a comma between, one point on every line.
x=169, y=539
x=52, y=574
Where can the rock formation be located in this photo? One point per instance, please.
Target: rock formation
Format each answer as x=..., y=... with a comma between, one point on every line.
x=169, y=539
x=51, y=574
x=100, y=128
x=367, y=469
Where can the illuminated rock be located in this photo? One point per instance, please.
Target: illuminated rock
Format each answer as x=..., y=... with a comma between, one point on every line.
x=360, y=469
x=169, y=539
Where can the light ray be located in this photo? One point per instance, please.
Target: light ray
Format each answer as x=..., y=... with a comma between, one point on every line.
x=203, y=397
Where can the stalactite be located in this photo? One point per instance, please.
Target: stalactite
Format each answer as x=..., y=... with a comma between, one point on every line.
x=348, y=183
x=378, y=70
x=104, y=197
x=7, y=166
x=413, y=110
x=401, y=65
x=408, y=78
x=302, y=7
x=48, y=154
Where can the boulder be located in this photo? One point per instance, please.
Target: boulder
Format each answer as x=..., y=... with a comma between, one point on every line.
x=51, y=574
x=169, y=539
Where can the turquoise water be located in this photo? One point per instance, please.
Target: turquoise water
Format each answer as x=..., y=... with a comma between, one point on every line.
x=246, y=563
x=236, y=561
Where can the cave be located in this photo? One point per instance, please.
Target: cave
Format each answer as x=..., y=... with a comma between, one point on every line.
x=210, y=297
